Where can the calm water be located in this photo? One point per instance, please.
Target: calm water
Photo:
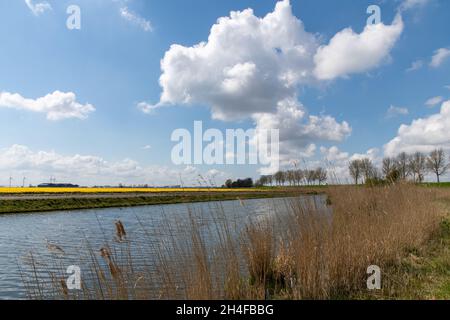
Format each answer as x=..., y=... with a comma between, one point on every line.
x=21, y=234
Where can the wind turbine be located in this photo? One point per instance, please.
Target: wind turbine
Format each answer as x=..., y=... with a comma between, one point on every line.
x=10, y=181
x=23, y=184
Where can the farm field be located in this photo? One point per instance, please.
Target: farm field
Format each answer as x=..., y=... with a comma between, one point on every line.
x=114, y=190
x=25, y=200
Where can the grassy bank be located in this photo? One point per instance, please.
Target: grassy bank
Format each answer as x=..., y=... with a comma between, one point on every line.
x=422, y=273
x=8, y=206
x=437, y=185
x=302, y=251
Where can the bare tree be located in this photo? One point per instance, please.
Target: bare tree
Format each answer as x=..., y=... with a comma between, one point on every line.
x=389, y=165
x=290, y=176
x=278, y=177
x=310, y=176
x=417, y=165
x=321, y=175
x=299, y=176
x=355, y=170
x=437, y=163
x=269, y=179
x=263, y=180
x=402, y=165
x=367, y=168
x=283, y=178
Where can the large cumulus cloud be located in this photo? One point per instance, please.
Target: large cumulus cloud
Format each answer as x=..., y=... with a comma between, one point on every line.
x=423, y=134
x=253, y=67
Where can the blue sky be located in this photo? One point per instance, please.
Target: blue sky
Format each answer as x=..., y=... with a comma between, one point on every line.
x=113, y=63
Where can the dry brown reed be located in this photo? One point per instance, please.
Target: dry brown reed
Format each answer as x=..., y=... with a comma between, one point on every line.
x=314, y=248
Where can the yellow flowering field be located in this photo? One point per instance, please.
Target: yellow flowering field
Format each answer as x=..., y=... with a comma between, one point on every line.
x=115, y=190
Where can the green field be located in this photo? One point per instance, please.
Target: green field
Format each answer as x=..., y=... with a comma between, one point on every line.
x=17, y=205
x=438, y=185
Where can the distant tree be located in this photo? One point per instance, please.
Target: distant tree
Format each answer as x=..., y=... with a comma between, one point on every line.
x=436, y=163
x=321, y=175
x=368, y=169
x=299, y=176
x=402, y=165
x=393, y=176
x=389, y=165
x=229, y=183
x=269, y=179
x=277, y=177
x=290, y=177
x=263, y=180
x=310, y=176
x=280, y=178
x=355, y=170
x=246, y=183
x=283, y=178
x=417, y=165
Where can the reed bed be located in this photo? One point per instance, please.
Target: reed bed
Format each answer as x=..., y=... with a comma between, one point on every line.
x=318, y=248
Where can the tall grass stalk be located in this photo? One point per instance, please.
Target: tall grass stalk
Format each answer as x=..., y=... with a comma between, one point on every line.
x=308, y=249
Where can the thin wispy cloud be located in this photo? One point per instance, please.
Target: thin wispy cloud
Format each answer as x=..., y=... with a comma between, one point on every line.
x=134, y=18
x=434, y=101
x=146, y=107
x=394, y=111
x=147, y=147
x=416, y=65
x=439, y=57
x=412, y=4
x=38, y=8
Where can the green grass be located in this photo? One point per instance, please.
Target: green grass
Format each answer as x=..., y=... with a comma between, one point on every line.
x=421, y=274
x=437, y=185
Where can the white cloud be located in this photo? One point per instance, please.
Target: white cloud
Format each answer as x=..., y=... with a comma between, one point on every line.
x=337, y=162
x=416, y=65
x=247, y=65
x=132, y=17
x=39, y=7
x=333, y=154
x=423, y=134
x=215, y=177
x=434, y=101
x=349, y=52
x=19, y=161
x=252, y=68
x=298, y=131
x=147, y=147
x=146, y=107
x=396, y=111
x=439, y=57
x=411, y=4
x=57, y=105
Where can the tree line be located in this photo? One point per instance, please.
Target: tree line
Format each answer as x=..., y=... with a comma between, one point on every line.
x=404, y=167
x=294, y=178
x=240, y=183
